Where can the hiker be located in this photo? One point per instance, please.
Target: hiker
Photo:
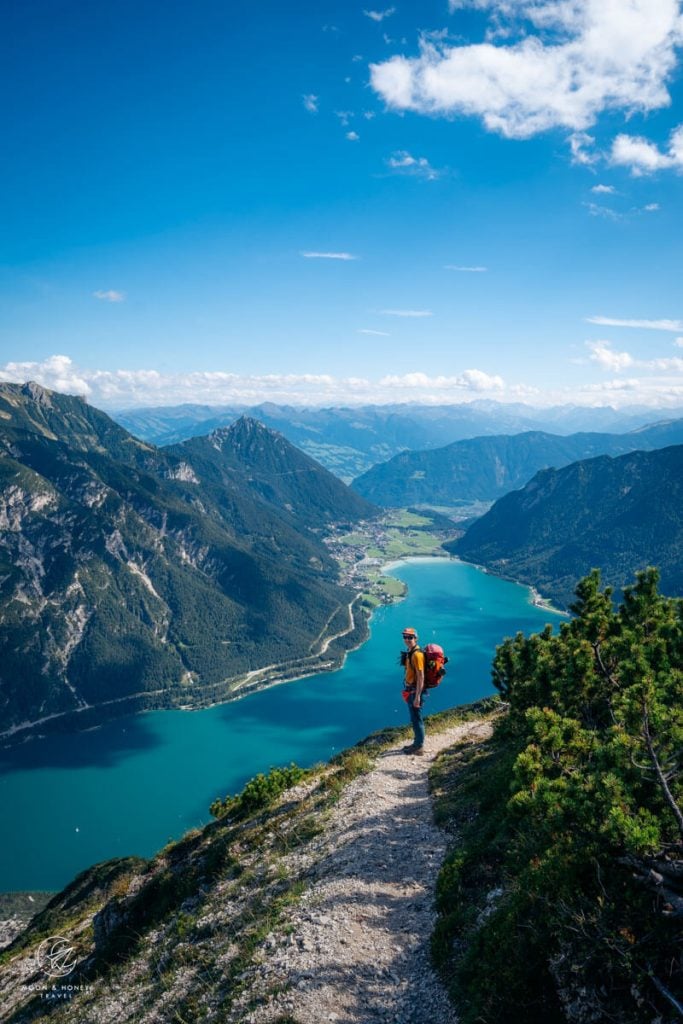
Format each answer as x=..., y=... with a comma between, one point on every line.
x=413, y=661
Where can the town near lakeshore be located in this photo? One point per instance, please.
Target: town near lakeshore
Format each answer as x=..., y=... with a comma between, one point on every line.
x=363, y=553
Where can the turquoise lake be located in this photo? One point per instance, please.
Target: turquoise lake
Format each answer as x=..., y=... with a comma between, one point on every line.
x=133, y=784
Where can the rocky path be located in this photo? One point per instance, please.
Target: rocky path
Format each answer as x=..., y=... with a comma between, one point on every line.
x=357, y=947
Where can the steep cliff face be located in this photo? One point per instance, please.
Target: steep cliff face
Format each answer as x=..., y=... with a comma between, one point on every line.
x=134, y=577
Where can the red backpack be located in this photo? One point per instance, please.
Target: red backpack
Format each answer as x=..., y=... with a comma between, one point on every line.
x=435, y=661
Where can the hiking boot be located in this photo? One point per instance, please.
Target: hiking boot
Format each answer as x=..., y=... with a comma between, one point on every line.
x=412, y=749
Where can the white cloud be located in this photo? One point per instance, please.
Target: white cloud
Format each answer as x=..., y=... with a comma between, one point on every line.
x=57, y=372
x=466, y=270
x=328, y=256
x=604, y=190
x=638, y=154
x=310, y=101
x=468, y=380
x=543, y=13
x=679, y=342
x=657, y=393
x=644, y=157
x=380, y=15
x=596, y=210
x=607, y=358
x=407, y=312
x=368, y=330
x=127, y=388
x=674, y=364
x=523, y=391
x=649, y=325
x=620, y=384
x=352, y=136
x=401, y=158
x=120, y=389
x=403, y=162
x=586, y=56
x=581, y=145
x=109, y=296
x=477, y=380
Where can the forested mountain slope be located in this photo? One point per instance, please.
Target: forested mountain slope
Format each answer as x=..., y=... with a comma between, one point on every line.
x=485, y=468
x=256, y=459
x=130, y=577
x=616, y=514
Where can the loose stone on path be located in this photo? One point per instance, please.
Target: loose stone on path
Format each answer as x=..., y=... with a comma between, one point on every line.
x=358, y=948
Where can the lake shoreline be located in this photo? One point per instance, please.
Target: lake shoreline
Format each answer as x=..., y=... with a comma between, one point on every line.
x=282, y=673
x=178, y=764
x=67, y=722
x=537, y=599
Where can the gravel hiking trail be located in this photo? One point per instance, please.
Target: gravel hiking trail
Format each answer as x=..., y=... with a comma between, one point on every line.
x=356, y=949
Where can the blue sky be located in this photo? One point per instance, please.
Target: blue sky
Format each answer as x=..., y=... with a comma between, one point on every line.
x=329, y=203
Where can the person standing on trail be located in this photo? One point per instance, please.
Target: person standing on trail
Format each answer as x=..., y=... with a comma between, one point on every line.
x=413, y=661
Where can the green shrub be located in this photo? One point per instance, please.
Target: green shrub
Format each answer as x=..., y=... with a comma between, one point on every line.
x=259, y=793
x=566, y=839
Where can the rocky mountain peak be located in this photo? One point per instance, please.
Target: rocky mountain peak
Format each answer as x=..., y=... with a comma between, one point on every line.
x=37, y=393
x=247, y=426
x=249, y=435
x=243, y=431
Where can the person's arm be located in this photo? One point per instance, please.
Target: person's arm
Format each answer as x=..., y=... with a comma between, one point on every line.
x=419, y=684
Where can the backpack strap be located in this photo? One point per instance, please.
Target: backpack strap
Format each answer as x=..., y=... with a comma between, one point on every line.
x=415, y=649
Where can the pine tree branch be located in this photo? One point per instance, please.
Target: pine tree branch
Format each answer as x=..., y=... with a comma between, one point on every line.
x=606, y=672
x=664, y=785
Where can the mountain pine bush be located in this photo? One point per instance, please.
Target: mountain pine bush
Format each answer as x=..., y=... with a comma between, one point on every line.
x=565, y=900
x=259, y=793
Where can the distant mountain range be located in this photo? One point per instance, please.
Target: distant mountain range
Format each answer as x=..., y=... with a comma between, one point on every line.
x=132, y=576
x=348, y=441
x=485, y=468
x=617, y=514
